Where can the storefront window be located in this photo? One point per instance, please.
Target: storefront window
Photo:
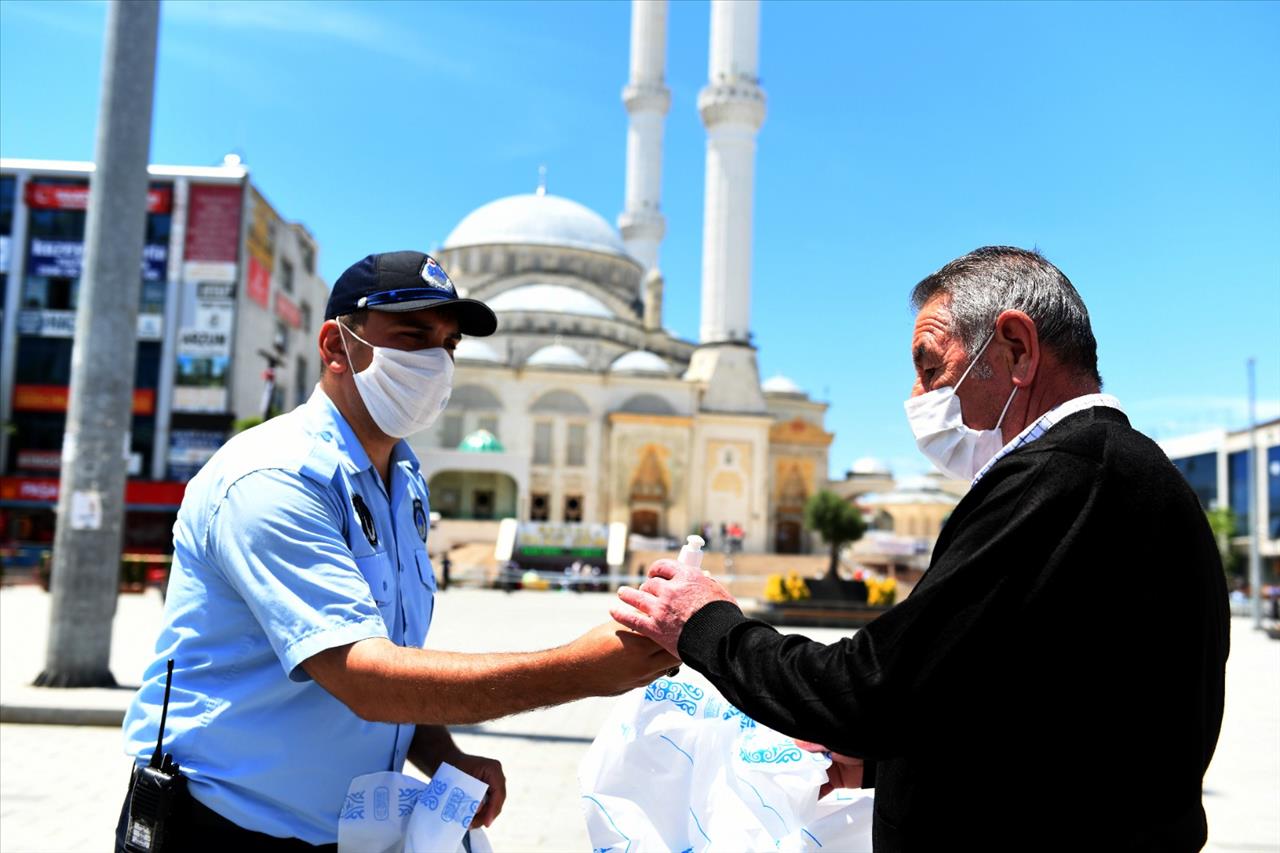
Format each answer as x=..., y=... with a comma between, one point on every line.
x=1238, y=489
x=1202, y=474
x=1273, y=492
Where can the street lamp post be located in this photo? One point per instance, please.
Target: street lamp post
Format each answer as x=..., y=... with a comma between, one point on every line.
x=86, y=550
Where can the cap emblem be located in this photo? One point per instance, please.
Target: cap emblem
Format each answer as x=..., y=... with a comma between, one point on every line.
x=435, y=277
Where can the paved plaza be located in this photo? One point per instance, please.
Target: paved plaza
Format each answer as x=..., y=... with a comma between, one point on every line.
x=61, y=785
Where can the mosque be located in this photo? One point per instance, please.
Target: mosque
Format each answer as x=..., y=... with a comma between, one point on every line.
x=583, y=408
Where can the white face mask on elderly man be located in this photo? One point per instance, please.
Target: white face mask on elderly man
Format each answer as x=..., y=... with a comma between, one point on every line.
x=941, y=433
x=404, y=390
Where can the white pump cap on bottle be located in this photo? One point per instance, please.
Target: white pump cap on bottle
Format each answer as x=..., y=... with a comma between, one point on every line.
x=691, y=553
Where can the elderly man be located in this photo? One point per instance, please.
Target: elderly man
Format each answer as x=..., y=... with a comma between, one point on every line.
x=301, y=595
x=1030, y=694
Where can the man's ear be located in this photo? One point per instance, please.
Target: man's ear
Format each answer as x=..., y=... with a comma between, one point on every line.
x=332, y=353
x=1019, y=341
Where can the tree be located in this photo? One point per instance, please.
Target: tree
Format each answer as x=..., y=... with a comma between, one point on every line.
x=837, y=521
x=1222, y=521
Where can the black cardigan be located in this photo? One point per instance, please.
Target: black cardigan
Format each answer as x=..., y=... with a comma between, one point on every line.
x=1055, y=681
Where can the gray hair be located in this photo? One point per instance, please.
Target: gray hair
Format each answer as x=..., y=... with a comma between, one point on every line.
x=993, y=279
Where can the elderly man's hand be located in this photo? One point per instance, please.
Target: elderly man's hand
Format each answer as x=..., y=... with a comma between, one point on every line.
x=845, y=770
x=671, y=595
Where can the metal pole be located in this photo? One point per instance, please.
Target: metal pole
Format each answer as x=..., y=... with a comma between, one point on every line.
x=1255, y=562
x=86, y=550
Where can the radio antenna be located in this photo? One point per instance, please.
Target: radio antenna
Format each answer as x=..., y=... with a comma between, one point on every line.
x=164, y=714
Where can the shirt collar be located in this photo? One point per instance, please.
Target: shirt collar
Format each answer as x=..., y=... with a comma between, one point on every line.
x=1041, y=425
x=324, y=416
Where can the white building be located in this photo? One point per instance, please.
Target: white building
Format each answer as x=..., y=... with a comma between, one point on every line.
x=1216, y=464
x=595, y=412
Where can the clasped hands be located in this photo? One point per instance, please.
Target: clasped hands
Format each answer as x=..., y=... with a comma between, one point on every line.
x=666, y=601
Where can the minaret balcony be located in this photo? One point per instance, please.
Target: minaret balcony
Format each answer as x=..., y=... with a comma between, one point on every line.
x=646, y=98
x=737, y=102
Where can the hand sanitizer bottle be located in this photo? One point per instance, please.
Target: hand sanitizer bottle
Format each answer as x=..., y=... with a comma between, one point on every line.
x=691, y=553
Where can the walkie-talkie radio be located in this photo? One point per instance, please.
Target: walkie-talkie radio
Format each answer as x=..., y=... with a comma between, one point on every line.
x=153, y=791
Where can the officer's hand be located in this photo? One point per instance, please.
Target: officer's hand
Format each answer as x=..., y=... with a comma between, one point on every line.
x=611, y=660
x=489, y=771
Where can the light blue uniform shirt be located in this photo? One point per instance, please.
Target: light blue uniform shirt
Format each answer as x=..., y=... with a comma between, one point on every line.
x=272, y=565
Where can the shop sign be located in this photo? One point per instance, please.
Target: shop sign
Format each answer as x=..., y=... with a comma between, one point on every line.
x=204, y=343
x=288, y=311
x=189, y=449
x=50, y=323
x=65, y=259
x=28, y=489
x=40, y=460
x=219, y=271
x=261, y=242
x=136, y=492
x=258, y=287
x=215, y=292
x=213, y=223
x=54, y=398
x=76, y=197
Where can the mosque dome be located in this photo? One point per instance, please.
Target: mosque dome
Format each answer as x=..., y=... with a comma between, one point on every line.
x=558, y=298
x=481, y=441
x=640, y=361
x=536, y=219
x=474, y=349
x=781, y=385
x=557, y=356
x=869, y=466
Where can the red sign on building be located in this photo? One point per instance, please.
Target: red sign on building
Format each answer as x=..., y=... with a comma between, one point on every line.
x=213, y=223
x=158, y=493
x=258, y=286
x=288, y=311
x=54, y=398
x=76, y=197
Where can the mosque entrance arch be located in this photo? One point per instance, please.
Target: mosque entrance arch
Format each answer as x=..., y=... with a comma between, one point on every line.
x=649, y=493
x=789, y=530
x=646, y=522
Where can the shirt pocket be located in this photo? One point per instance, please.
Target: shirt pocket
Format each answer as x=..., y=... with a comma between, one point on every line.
x=426, y=572
x=376, y=569
x=427, y=598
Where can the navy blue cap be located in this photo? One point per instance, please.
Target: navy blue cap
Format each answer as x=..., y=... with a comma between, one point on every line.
x=406, y=281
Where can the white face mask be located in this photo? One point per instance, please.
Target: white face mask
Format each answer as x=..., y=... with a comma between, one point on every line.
x=404, y=390
x=943, y=437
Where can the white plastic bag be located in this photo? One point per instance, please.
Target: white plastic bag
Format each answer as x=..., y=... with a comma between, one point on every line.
x=393, y=813
x=676, y=767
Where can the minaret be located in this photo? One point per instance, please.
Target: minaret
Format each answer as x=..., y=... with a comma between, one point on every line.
x=647, y=99
x=732, y=107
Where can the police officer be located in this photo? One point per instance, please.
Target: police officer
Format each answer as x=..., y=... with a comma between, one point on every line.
x=301, y=593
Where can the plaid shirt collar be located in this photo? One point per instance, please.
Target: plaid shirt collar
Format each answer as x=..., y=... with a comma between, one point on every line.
x=1043, y=423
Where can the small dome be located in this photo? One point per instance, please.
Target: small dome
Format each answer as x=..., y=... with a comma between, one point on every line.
x=481, y=441
x=474, y=349
x=558, y=298
x=640, y=361
x=781, y=385
x=557, y=356
x=871, y=467
x=536, y=219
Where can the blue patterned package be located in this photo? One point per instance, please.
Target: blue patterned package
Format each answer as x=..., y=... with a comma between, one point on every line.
x=676, y=767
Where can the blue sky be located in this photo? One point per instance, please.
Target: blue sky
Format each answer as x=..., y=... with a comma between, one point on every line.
x=1137, y=145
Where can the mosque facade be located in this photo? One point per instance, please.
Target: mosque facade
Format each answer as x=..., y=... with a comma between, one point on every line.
x=583, y=408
